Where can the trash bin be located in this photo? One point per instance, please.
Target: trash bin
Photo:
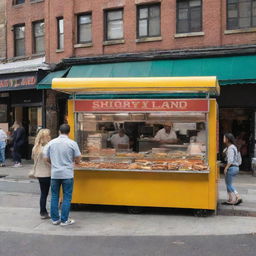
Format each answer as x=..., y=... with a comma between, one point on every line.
x=253, y=166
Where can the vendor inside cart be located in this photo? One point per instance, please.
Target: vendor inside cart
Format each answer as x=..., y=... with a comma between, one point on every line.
x=120, y=140
x=166, y=135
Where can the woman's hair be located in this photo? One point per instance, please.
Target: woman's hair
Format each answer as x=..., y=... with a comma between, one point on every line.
x=16, y=125
x=42, y=138
x=231, y=139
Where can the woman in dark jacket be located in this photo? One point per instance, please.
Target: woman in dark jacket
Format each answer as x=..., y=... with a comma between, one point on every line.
x=19, y=139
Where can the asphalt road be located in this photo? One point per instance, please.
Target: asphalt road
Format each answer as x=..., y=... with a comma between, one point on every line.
x=16, y=244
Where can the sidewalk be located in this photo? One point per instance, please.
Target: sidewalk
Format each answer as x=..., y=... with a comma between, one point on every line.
x=19, y=206
x=245, y=183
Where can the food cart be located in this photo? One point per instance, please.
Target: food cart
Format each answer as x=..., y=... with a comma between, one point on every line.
x=147, y=173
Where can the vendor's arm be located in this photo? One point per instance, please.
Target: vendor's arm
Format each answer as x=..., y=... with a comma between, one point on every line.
x=158, y=136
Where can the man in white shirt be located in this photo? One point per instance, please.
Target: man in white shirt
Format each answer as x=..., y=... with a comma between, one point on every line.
x=120, y=140
x=201, y=135
x=3, y=138
x=166, y=134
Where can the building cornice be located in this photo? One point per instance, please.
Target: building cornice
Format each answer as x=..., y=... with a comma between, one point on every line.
x=161, y=55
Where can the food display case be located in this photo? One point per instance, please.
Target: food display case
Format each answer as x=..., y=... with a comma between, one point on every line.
x=144, y=171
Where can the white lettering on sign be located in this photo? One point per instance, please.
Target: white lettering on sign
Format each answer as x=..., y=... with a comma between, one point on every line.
x=143, y=105
x=130, y=105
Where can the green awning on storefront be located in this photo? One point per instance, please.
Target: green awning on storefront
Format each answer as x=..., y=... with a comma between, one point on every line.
x=229, y=70
x=46, y=83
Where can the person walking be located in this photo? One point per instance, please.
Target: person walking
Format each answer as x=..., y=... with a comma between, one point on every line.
x=42, y=169
x=19, y=139
x=62, y=152
x=3, y=139
x=233, y=160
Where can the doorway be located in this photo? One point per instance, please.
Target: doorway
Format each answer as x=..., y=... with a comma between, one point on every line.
x=240, y=122
x=31, y=119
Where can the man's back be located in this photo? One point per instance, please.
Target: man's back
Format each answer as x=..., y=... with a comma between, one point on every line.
x=62, y=152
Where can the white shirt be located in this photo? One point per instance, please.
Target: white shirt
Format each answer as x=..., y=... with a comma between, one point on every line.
x=116, y=140
x=162, y=135
x=3, y=136
x=201, y=137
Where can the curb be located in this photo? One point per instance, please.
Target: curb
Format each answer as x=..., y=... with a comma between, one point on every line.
x=232, y=212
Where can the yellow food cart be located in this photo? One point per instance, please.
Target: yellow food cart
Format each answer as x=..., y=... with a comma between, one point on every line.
x=148, y=173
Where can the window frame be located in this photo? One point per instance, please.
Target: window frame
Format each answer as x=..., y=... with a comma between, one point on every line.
x=59, y=34
x=106, y=11
x=189, y=17
x=238, y=16
x=14, y=2
x=34, y=37
x=78, y=27
x=148, y=6
x=15, y=39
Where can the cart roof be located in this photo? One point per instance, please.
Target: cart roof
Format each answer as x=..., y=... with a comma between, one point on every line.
x=208, y=85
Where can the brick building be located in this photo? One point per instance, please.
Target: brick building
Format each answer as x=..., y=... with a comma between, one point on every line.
x=186, y=37
x=211, y=30
x=24, y=65
x=2, y=31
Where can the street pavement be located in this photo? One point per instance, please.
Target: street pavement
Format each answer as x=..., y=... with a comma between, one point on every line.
x=19, y=200
x=15, y=244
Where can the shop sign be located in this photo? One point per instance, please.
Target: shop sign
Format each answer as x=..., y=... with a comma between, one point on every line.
x=146, y=105
x=21, y=82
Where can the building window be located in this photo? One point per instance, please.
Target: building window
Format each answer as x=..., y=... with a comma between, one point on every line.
x=16, y=2
x=19, y=40
x=241, y=14
x=189, y=16
x=84, y=28
x=114, y=25
x=148, y=23
x=38, y=37
x=60, y=28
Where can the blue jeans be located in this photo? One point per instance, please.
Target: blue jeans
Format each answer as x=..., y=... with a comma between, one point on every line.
x=232, y=171
x=2, y=151
x=67, y=189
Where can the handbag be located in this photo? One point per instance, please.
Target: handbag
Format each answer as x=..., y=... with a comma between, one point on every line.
x=31, y=173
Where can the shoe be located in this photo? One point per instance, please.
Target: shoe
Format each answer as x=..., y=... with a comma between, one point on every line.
x=2, y=165
x=45, y=216
x=56, y=222
x=17, y=165
x=239, y=201
x=68, y=222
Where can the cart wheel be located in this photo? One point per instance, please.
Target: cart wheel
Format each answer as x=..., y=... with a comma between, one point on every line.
x=202, y=212
x=134, y=209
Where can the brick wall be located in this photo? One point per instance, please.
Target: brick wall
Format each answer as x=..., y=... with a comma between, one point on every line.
x=2, y=31
x=23, y=14
x=214, y=27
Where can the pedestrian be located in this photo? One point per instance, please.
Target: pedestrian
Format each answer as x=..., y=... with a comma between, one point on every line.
x=62, y=153
x=42, y=169
x=233, y=160
x=19, y=139
x=3, y=139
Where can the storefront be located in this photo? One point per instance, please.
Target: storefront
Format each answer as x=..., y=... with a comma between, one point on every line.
x=142, y=169
x=236, y=76
x=20, y=101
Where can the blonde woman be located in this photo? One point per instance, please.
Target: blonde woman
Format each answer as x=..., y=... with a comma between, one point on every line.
x=42, y=169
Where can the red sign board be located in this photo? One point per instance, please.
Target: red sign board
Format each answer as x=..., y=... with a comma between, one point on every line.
x=146, y=105
x=18, y=82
